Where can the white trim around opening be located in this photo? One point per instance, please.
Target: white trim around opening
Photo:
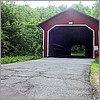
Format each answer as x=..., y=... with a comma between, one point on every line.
x=43, y=42
x=72, y=26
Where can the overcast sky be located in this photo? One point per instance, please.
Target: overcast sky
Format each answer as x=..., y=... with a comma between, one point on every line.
x=34, y=4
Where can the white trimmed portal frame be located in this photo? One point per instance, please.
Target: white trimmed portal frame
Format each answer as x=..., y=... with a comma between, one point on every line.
x=72, y=26
x=43, y=42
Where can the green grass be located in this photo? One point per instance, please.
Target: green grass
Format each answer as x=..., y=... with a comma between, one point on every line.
x=78, y=53
x=95, y=67
x=94, y=72
x=7, y=60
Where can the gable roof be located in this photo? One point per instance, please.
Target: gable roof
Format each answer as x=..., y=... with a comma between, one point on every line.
x=69, y=9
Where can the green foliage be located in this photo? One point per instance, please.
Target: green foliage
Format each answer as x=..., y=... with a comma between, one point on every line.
x=20, y=36
x=78, y=49
x=63, y=7
x=93, y=12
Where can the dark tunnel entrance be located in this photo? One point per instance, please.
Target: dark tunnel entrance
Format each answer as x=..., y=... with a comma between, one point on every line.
x=62, y=38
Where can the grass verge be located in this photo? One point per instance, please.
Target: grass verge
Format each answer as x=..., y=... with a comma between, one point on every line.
x=94, y=78
x=78, y=53
x=7, y=60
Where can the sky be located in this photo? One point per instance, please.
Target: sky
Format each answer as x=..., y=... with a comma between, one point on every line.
x=34, y=4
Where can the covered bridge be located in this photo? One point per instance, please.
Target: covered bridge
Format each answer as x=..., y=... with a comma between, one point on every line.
x=69, y=28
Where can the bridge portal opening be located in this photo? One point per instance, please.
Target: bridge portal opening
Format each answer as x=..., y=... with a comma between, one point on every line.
x=63, y=38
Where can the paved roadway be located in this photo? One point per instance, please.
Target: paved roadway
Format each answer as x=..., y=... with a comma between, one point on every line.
x=47, y=78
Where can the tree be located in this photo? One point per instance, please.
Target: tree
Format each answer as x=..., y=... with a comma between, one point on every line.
x=20, y=36
x=63, y=7
x=95, y=10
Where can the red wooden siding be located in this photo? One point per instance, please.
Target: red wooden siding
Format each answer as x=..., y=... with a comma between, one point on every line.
x=65, y=17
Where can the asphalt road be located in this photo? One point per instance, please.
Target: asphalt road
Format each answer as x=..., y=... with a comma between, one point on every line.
x=47, y=78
